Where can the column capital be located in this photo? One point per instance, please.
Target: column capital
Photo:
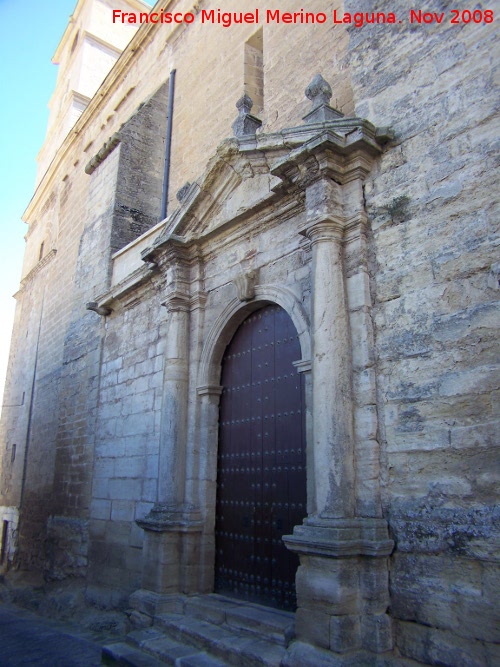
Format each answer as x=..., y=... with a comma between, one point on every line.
x=209, y=390
x=177, y=301
x=329, y=228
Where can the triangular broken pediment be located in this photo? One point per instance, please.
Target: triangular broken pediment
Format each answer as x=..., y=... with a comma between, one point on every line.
x=235, y=184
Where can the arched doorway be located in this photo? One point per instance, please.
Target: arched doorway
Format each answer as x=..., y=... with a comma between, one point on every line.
x=261, y=474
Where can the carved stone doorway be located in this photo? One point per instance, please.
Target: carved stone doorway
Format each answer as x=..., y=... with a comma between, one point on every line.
x=261, y=476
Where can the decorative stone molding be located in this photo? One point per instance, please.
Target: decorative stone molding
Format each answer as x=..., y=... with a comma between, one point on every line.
x=174, y=262
x=234, y=313
x=198, y=300
x=303, y=366
x=209, y=390
x=138, y=279
x=100, y=310
x=245, y=285
x=182, y=192
x=38, y=267
x=99, y=157
x=163, y=518
x=340, y=538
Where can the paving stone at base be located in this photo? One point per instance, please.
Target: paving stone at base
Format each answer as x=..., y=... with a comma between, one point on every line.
x=35, y=642
x=212, y=608
x=168, y=650
x=301, y=654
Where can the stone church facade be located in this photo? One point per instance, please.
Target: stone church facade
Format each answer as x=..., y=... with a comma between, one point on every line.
x=285, y=390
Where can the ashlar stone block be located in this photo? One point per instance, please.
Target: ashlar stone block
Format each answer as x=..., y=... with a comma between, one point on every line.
x=345, y=633
x=376, y=633
x=329, y=585
x=313, y=626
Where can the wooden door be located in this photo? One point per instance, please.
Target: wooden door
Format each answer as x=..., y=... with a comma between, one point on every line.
x=261, y=478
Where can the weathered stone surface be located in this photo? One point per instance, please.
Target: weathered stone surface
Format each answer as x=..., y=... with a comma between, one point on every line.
x=382, y=248
x=433, y=646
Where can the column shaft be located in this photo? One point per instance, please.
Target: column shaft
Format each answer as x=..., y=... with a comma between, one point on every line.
x=171, y=483
x=331, y=375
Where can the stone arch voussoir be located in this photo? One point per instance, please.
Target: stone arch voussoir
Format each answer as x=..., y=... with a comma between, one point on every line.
x=233, y=315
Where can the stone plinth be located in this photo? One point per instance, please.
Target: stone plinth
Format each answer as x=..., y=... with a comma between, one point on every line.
x=171, y=559
x=342, y=584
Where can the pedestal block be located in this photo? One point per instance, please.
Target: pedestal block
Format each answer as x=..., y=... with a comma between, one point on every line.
x=171, y=550
x=342, y=584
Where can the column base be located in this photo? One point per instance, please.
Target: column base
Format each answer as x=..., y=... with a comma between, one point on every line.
x=343, y=584
x=171, y=549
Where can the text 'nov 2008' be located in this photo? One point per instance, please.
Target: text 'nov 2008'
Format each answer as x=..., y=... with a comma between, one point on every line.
x=357, y=19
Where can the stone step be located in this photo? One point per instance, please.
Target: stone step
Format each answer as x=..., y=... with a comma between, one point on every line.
x=123, y=655
x=149, y=648
x=236, y=647
x=211, y=631
x=266, y=623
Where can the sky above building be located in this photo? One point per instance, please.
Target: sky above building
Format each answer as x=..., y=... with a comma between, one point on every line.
x=29, y=34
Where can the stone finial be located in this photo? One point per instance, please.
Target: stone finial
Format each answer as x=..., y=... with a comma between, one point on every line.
x=245, y=124
x=319, y=92
x=244, y=104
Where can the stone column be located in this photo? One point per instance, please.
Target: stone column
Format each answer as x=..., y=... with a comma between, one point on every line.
x=331, y=365
x=172, y=461
x=209, y=398
x=342, y=582
x=173, y=527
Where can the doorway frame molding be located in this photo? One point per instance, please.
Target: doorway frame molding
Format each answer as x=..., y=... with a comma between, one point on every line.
x=209, y=391
x=234, y=313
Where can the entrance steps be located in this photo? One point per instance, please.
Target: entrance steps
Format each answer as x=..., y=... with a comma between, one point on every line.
x=212, y=631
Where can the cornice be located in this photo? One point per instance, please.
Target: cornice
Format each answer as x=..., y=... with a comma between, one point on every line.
x=138, y=278
x=335, y=153
x=38, y=267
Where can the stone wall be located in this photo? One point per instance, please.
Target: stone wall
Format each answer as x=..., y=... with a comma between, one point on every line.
x=138, y=192
x=73, y=214
x=436, y=319
x=127, y=439
x=84, y=395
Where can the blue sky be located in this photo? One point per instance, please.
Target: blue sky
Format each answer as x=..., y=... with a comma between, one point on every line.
x=29, y=34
